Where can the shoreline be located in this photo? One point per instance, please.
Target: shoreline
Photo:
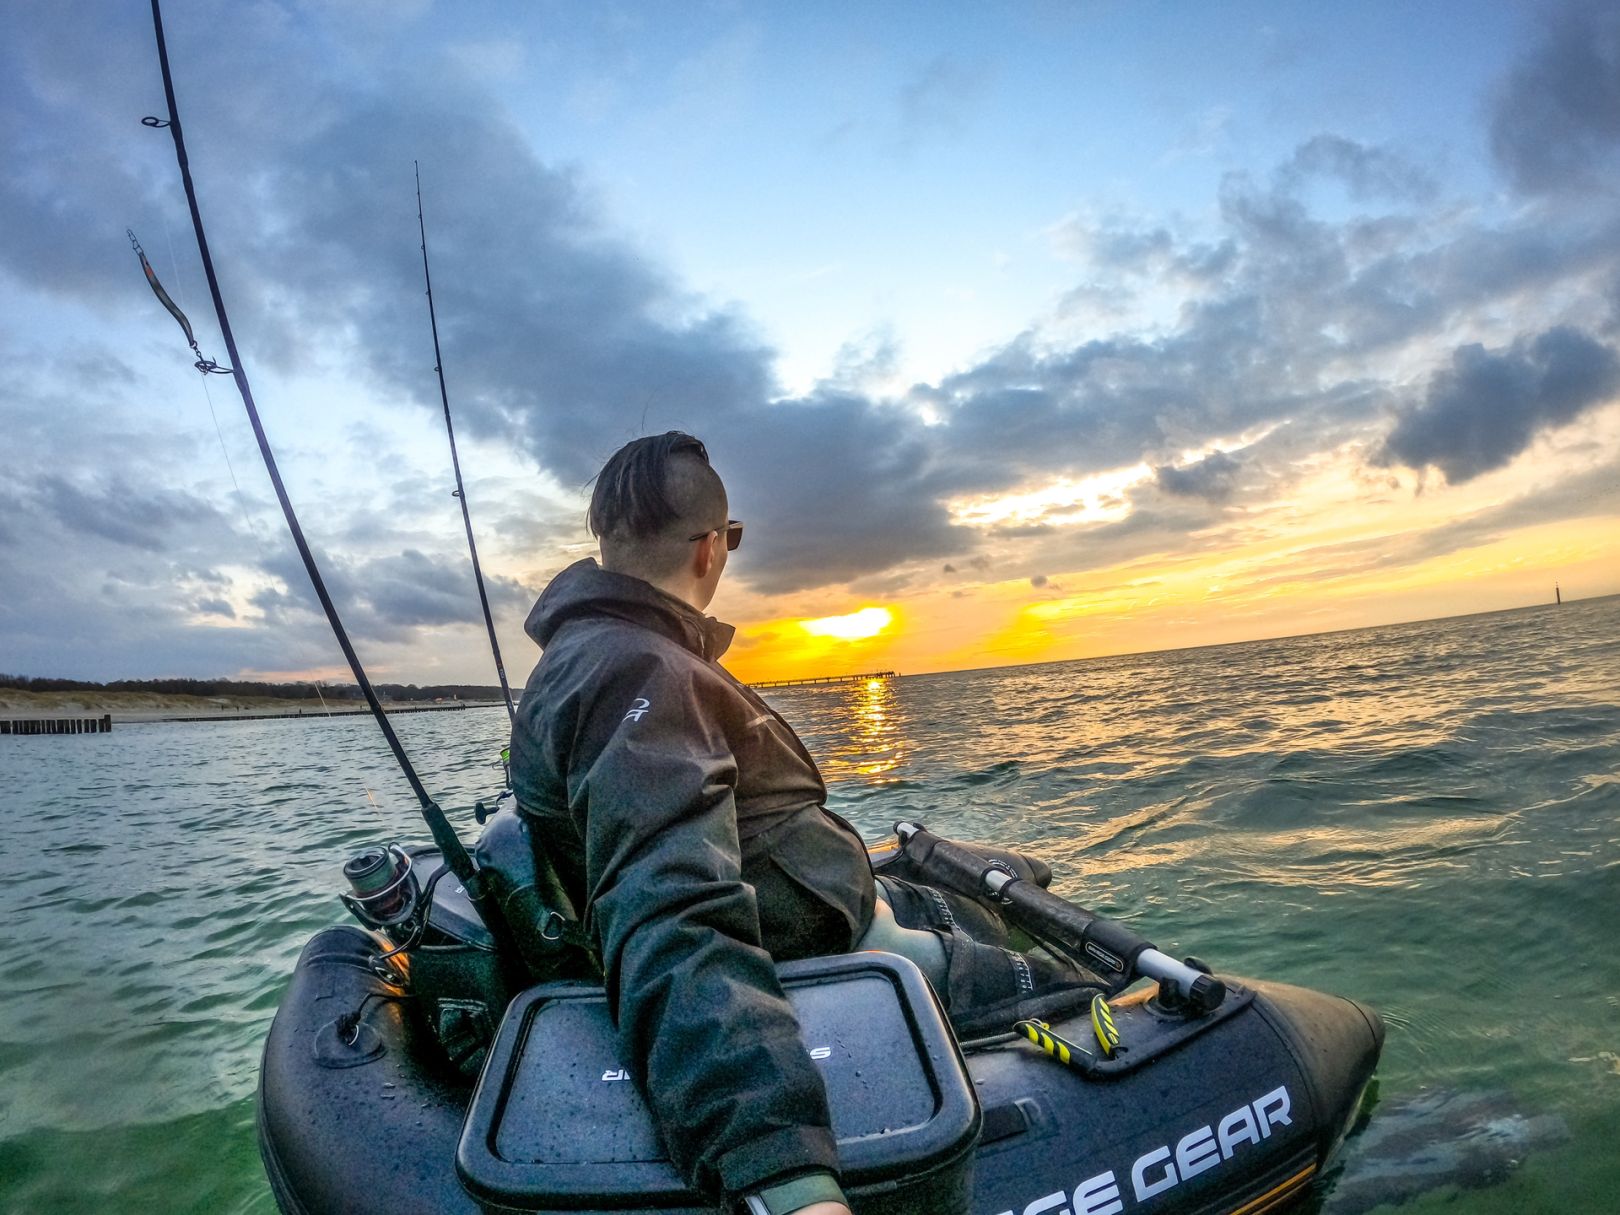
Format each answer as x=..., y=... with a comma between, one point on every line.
x=130, y=708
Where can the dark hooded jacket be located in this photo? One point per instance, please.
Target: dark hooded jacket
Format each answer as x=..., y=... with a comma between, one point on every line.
x=686, y=819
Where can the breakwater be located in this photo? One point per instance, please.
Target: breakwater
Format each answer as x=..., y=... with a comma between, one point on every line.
x=56, y=725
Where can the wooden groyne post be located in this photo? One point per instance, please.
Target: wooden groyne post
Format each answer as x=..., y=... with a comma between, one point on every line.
x=56, y=725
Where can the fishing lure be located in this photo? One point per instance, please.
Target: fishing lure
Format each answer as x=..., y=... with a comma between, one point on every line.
x=205, y=365
x=1072, y=1053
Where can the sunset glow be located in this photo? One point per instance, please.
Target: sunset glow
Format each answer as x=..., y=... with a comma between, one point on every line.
x=1095, y=499
x=856, y=626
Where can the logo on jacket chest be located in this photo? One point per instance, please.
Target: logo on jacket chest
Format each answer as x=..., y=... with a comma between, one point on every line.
x=638, y=709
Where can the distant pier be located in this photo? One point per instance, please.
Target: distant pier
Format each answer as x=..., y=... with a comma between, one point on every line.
x=56, y=725
x=820, y=679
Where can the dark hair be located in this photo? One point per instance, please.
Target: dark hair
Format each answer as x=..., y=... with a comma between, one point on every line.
x=653, y=483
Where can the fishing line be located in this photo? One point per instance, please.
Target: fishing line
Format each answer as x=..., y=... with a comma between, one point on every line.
x=454, y=852
x=241, y=500
x=370, y=797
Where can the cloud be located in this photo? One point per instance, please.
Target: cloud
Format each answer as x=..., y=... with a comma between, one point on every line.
x=1367, y=172
x=62, y=212
x=1488, y=406
x=1555, y=125
x=556, y=334
x=938, y=99
x=384, y=599
x=413, y=589
x=840, y=488
x=1210, y=478
x=114, y=509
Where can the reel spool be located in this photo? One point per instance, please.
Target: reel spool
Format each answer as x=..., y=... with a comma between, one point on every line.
x=383, y=891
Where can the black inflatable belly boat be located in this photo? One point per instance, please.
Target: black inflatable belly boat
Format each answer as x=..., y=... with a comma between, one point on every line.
x=371, y=1098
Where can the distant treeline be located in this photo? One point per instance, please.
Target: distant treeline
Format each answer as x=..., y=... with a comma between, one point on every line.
x=244, y=687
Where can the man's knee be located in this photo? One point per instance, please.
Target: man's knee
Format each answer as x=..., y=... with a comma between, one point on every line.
x=923, y=948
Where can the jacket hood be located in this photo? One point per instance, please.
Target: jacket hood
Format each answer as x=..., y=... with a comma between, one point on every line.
x=586, y=589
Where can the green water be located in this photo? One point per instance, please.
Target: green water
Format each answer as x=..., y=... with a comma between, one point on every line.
x=1426, y=817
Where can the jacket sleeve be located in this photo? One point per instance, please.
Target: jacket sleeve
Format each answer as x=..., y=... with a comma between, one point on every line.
x=699, y=1009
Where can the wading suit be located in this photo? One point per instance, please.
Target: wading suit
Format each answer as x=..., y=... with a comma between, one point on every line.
x=687, y=820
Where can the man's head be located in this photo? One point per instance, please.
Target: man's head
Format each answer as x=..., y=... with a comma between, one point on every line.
x=659, y=513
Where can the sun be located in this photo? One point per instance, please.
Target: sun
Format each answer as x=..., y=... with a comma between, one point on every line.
x=857, y=626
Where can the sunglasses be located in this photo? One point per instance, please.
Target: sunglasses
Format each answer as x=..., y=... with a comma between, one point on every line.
x=732, y=529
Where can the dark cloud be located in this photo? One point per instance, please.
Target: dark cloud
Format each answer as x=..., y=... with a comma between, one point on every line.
x=1039, y=580
x=1556, y=122
x=384, y=599
x=1488, y=406
x=840, y=488
x=1125, y=258
x=63, y=209
x=1211, y=478
x=1022, y=531
x=414, y=589
x=114, y=509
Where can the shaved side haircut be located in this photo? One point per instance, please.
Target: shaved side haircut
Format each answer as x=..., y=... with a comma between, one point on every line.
x=650, y=497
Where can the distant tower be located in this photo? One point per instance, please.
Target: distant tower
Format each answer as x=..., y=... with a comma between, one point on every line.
x=1558, y=595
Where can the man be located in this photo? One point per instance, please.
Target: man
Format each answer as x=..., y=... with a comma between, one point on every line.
x=685, y=816
x=688, y=821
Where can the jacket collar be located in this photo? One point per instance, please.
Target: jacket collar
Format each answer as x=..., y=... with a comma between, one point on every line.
x=585, y=589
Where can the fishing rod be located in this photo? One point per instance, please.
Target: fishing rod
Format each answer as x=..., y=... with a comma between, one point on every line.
x=455, y=460
x=455, y=853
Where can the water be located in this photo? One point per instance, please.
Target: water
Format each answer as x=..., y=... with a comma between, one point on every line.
x=1424, y=816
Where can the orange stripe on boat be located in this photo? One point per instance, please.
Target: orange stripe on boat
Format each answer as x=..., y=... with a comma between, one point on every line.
x=1276, y=1194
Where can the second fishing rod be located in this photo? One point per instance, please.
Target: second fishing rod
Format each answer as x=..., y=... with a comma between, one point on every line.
x=455, y=458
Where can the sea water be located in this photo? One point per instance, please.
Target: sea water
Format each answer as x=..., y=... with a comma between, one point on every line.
x=1423, y=816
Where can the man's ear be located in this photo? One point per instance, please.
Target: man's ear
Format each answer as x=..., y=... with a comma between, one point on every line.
x=704, y=557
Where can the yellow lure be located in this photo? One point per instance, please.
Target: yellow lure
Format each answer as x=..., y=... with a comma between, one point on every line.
x=1040, y=1033
x=1102, y=1024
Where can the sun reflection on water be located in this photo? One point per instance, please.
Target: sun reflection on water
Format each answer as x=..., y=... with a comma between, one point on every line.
x=857, y=729
x=877, y=745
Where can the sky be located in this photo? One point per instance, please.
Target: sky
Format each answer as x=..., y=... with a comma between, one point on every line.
x=1018, y=332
